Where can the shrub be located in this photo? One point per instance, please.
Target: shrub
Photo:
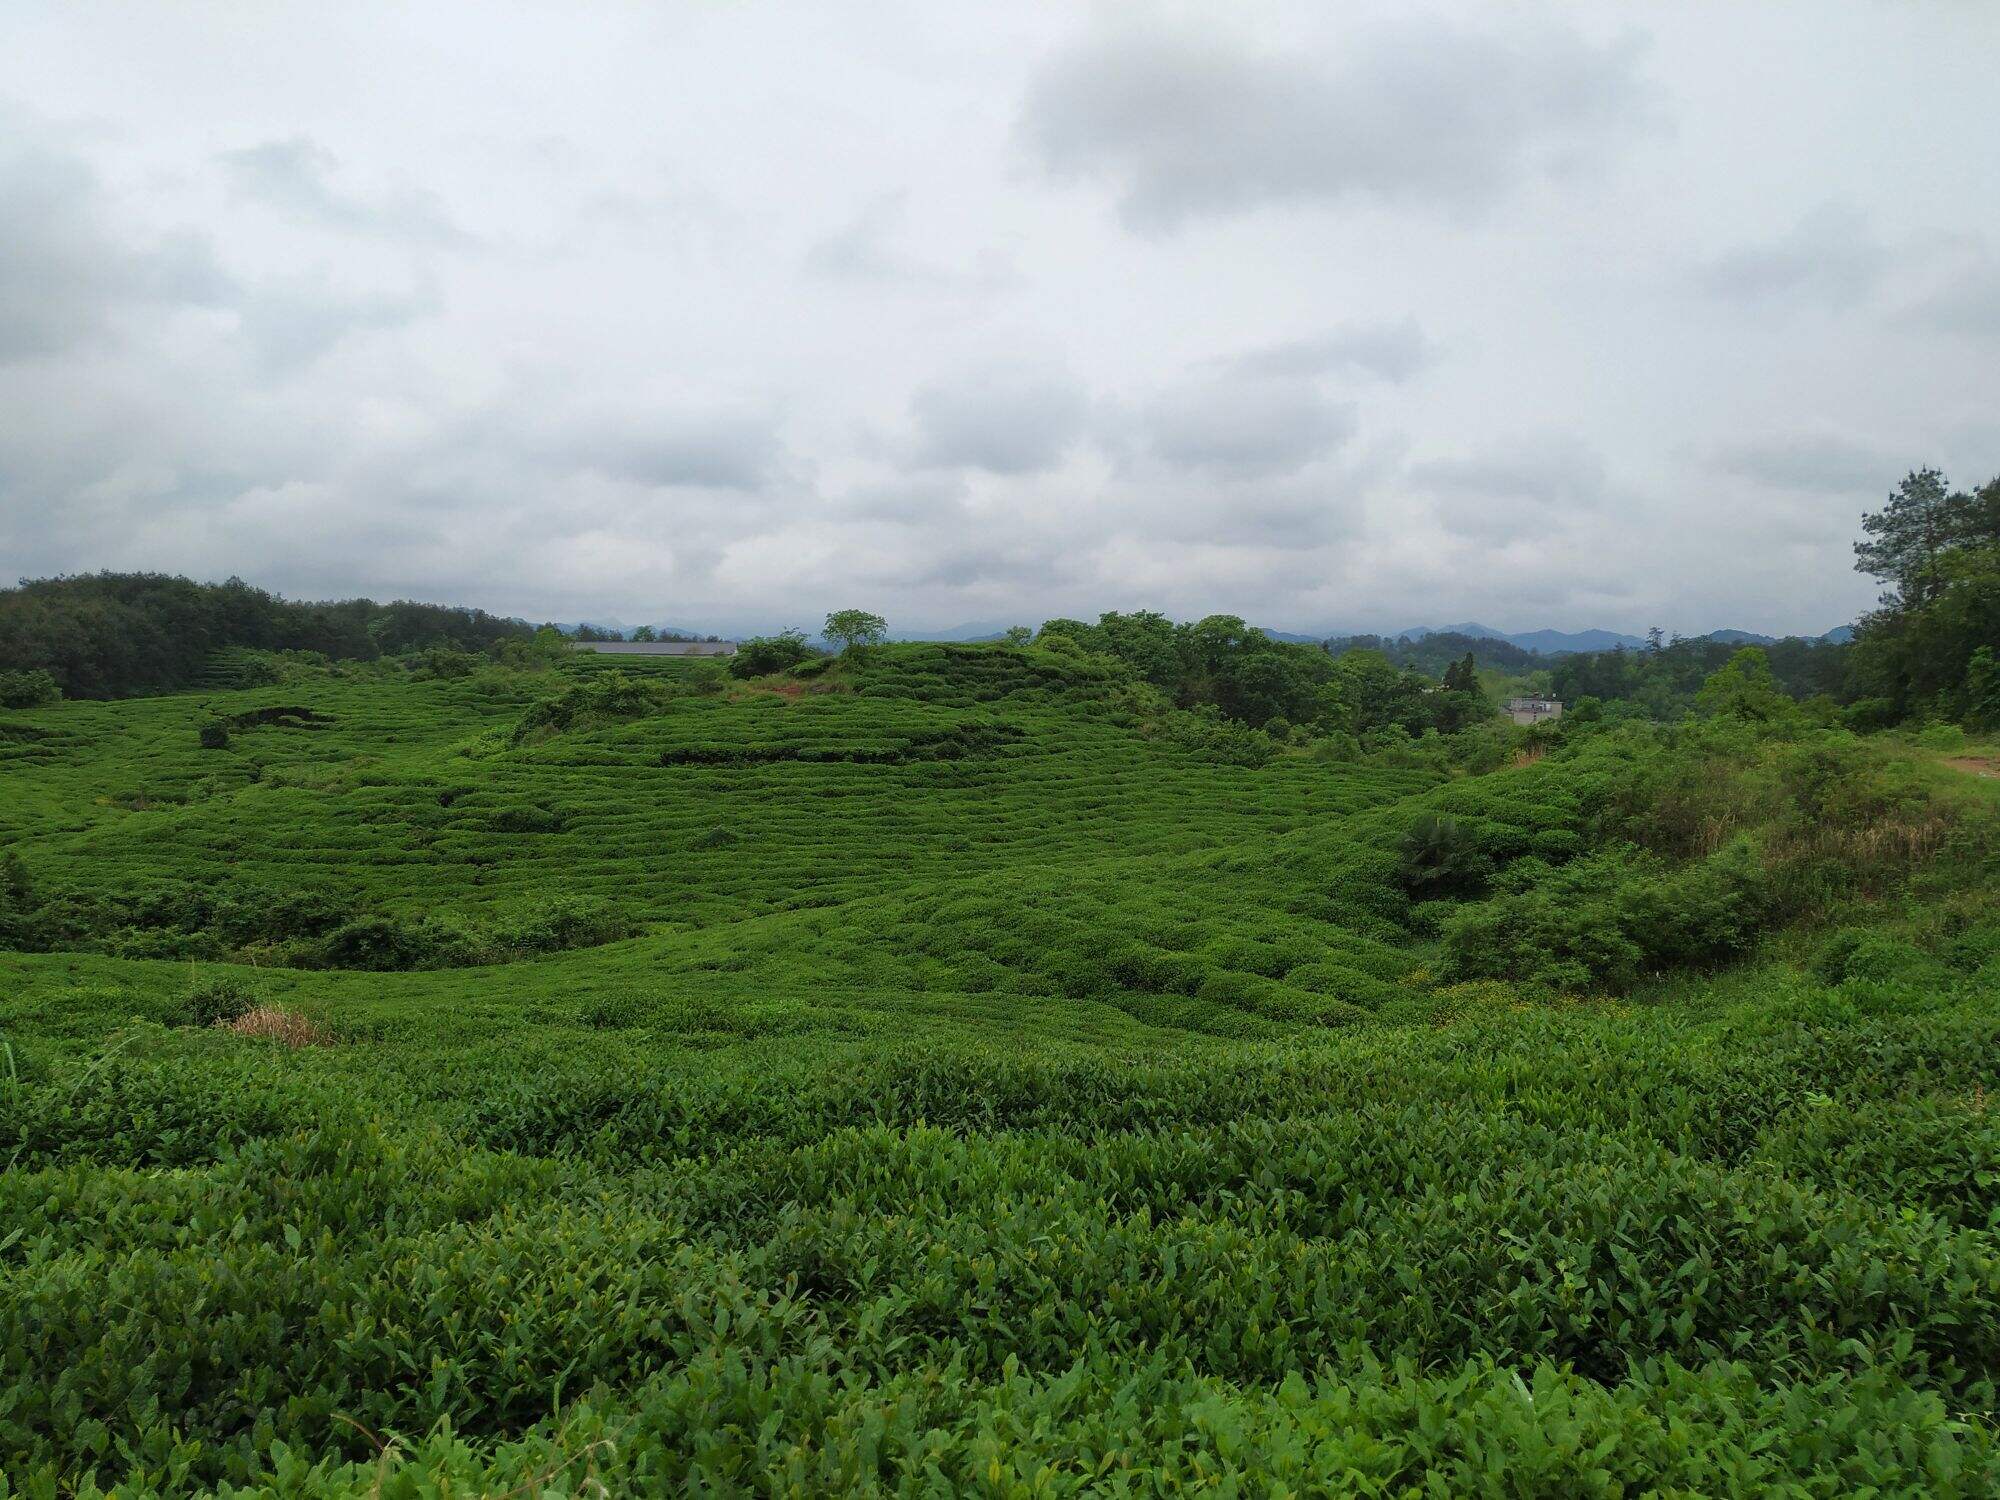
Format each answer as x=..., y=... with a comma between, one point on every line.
x=764, y=654
x=1609, y=918
x=216, y=1000
x=215, y=735
x=1830, y=958
x=600, y=698
x=387, y=944
x=561, y=922
x=31, y=689
x=1946, y=737
x=1442, y=856
x=524, y=817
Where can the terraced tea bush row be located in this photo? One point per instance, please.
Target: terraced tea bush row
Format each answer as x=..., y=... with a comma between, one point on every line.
x=997, y=1093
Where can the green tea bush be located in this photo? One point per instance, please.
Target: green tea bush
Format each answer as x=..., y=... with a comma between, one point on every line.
x=951, y=1082
x=216, y=999
x=593, y=701
x=1608, y=919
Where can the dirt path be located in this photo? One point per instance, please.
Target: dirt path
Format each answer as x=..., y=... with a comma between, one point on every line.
x=1975, y=765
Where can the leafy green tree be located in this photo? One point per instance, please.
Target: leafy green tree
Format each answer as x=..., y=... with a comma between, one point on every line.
x=1745, y=689
x=855, y=630
x=1982, y=689
x=644, y=633
x=1018, y=635
x=1909, y=535
x=1149, y=643
x=1372, y=694
x=1942, y=552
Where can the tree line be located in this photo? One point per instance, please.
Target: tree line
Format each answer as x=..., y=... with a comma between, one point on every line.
x=1222, y=664
x=114, y=635
x=1929, y=650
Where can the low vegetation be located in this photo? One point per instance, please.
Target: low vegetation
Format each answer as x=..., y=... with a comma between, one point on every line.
x=1146, y=1058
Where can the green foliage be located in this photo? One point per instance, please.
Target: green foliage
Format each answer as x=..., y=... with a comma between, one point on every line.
x=214, y=735
x=1436, y=654
x=215, y=1000
x=1610, y=919
x=989, y=1076
x=1744, y=689
x=596, y=700
x=1982, y=688
x=1216, y=663
x=31, y=689
x=110, y=635
x=1442, y=856
x=764, y=654
x=854, y=630
x=1920, y=653
x=1663, y=681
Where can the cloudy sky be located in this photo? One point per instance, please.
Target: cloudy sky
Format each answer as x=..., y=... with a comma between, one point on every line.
x=1328, y=315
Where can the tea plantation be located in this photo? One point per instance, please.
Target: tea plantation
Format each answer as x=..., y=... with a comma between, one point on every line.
x=954, y=1071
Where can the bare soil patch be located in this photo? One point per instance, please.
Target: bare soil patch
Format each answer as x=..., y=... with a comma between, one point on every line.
x=1976, y=765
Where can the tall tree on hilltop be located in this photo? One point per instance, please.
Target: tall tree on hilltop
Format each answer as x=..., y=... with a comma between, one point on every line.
x=855, y=630
x=1907, y=536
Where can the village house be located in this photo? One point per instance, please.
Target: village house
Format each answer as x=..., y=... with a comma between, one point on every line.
x=1532, y=710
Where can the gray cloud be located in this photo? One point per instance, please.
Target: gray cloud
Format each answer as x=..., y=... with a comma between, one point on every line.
x=1417, y=112
x=910, y=500
x=865, y=249
x=673, y=448
x=1390, y=351
x=1525, y=487
x=1003, y=418
x=1242, y=426
x=294, y=322
x=1811, y=461
x=295, y=176
x=675, y=377
x=1830, y=259
x=1966, y=302
x=66, y=271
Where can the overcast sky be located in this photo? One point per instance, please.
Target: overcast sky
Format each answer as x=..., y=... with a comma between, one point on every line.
x=729, y=314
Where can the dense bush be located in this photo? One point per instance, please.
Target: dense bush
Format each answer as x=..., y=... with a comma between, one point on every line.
x=215, y=1000
x=33, y=689
x=761, y=655
x=1609, y=919
x=599, y=699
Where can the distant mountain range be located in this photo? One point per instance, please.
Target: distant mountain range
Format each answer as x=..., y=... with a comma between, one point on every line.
x=1548, y=642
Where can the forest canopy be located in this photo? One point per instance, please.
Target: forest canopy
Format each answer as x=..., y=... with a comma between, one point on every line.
x=114, y=635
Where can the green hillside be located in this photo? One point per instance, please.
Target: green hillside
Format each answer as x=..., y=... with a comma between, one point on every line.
x=957, y=1070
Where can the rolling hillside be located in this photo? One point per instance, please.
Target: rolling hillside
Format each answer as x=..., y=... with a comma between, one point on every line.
x=944, y=1072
